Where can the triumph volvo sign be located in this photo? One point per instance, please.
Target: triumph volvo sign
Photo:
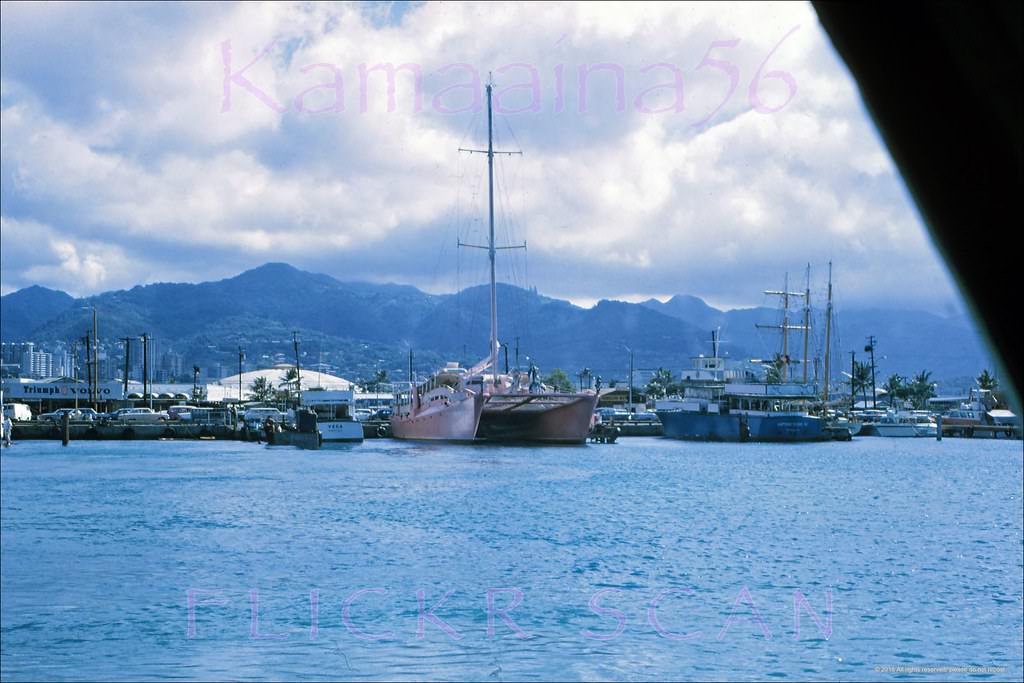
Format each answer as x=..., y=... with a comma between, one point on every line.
x=59, y=390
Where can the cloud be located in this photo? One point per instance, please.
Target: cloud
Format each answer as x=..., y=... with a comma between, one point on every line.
x=118, y=133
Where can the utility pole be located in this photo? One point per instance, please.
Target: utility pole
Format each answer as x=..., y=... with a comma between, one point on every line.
x=195, y=383
x=74, y=369
x=96, y=362
x=871, y=349
x=411, y=376
x=517, y=353
x=127, y=366
x=298, y=369
x=853, y=381
x=630, y=378
x=145, y=369
x=88, y=363
x=241, y=359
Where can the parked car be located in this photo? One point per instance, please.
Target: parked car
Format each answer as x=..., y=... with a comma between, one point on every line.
x=57, y=416
x=139, y=415
x=17, y=411
x=255, y=417
x=382, y=414
x=87, y=415
x=362, y=414
x=607, y=414
x=183, y=413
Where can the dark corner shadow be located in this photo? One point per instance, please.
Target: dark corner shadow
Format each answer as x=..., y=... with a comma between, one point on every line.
x=942, y=81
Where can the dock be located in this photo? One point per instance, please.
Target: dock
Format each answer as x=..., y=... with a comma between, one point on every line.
x=117, y=431
x=982, y=431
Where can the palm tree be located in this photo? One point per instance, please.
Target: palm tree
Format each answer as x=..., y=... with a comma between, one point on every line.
x=289, y=385
x=379, y=377
x=559, y=380
x=987, y=380
x=659, y=384
x=921, y=389
x=261, y=390
x=896, y=387
x=861, y=379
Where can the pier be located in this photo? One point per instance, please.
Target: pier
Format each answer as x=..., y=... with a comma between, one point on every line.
x=90, y=431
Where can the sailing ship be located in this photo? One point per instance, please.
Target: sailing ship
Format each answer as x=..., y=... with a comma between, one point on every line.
x=518, y=408
x=715, y=407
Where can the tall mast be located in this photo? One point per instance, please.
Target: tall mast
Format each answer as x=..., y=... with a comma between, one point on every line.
x=490, y=241
x=786, y=327
x=807, y=317
x=828, y=332
x=492, y=357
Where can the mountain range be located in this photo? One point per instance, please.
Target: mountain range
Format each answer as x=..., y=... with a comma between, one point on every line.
x=359, y=327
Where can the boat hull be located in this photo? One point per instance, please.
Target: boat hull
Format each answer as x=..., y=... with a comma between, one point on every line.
x=341, y=431
x=538, y=418
x=678, y=424
x=456, y=421
x=692, y=426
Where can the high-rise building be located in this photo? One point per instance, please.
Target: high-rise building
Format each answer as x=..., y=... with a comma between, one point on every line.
x=37, y=364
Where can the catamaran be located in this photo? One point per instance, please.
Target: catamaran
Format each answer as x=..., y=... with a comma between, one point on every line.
x=519, y=408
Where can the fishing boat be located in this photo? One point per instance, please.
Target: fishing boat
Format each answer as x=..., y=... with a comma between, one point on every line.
x=334, y=415
x=518, y=408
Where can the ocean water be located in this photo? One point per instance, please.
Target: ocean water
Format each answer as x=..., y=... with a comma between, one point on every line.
x=648, y=559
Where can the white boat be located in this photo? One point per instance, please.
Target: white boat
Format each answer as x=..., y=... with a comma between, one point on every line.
x=334, y=415
x=906, y=423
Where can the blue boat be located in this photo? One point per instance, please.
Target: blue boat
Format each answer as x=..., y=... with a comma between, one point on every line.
x=743, y=412
x=719, y=404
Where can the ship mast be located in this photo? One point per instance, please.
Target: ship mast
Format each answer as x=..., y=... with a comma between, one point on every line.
x=807, y=317
x=786, y=327
x=828, y=332
x=492, y=358
x=490, y=242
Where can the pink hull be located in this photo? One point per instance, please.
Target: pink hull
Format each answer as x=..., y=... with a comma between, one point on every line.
x=451, y=422
x=551, y=418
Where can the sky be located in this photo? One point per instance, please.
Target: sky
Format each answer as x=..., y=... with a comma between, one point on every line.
x=669, y=148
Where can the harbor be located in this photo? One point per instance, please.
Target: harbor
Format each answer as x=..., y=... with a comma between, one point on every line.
x=108, y=541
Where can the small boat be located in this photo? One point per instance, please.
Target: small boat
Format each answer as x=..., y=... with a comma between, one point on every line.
x=334, y=415
x=906, y=423
x=305, y=434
